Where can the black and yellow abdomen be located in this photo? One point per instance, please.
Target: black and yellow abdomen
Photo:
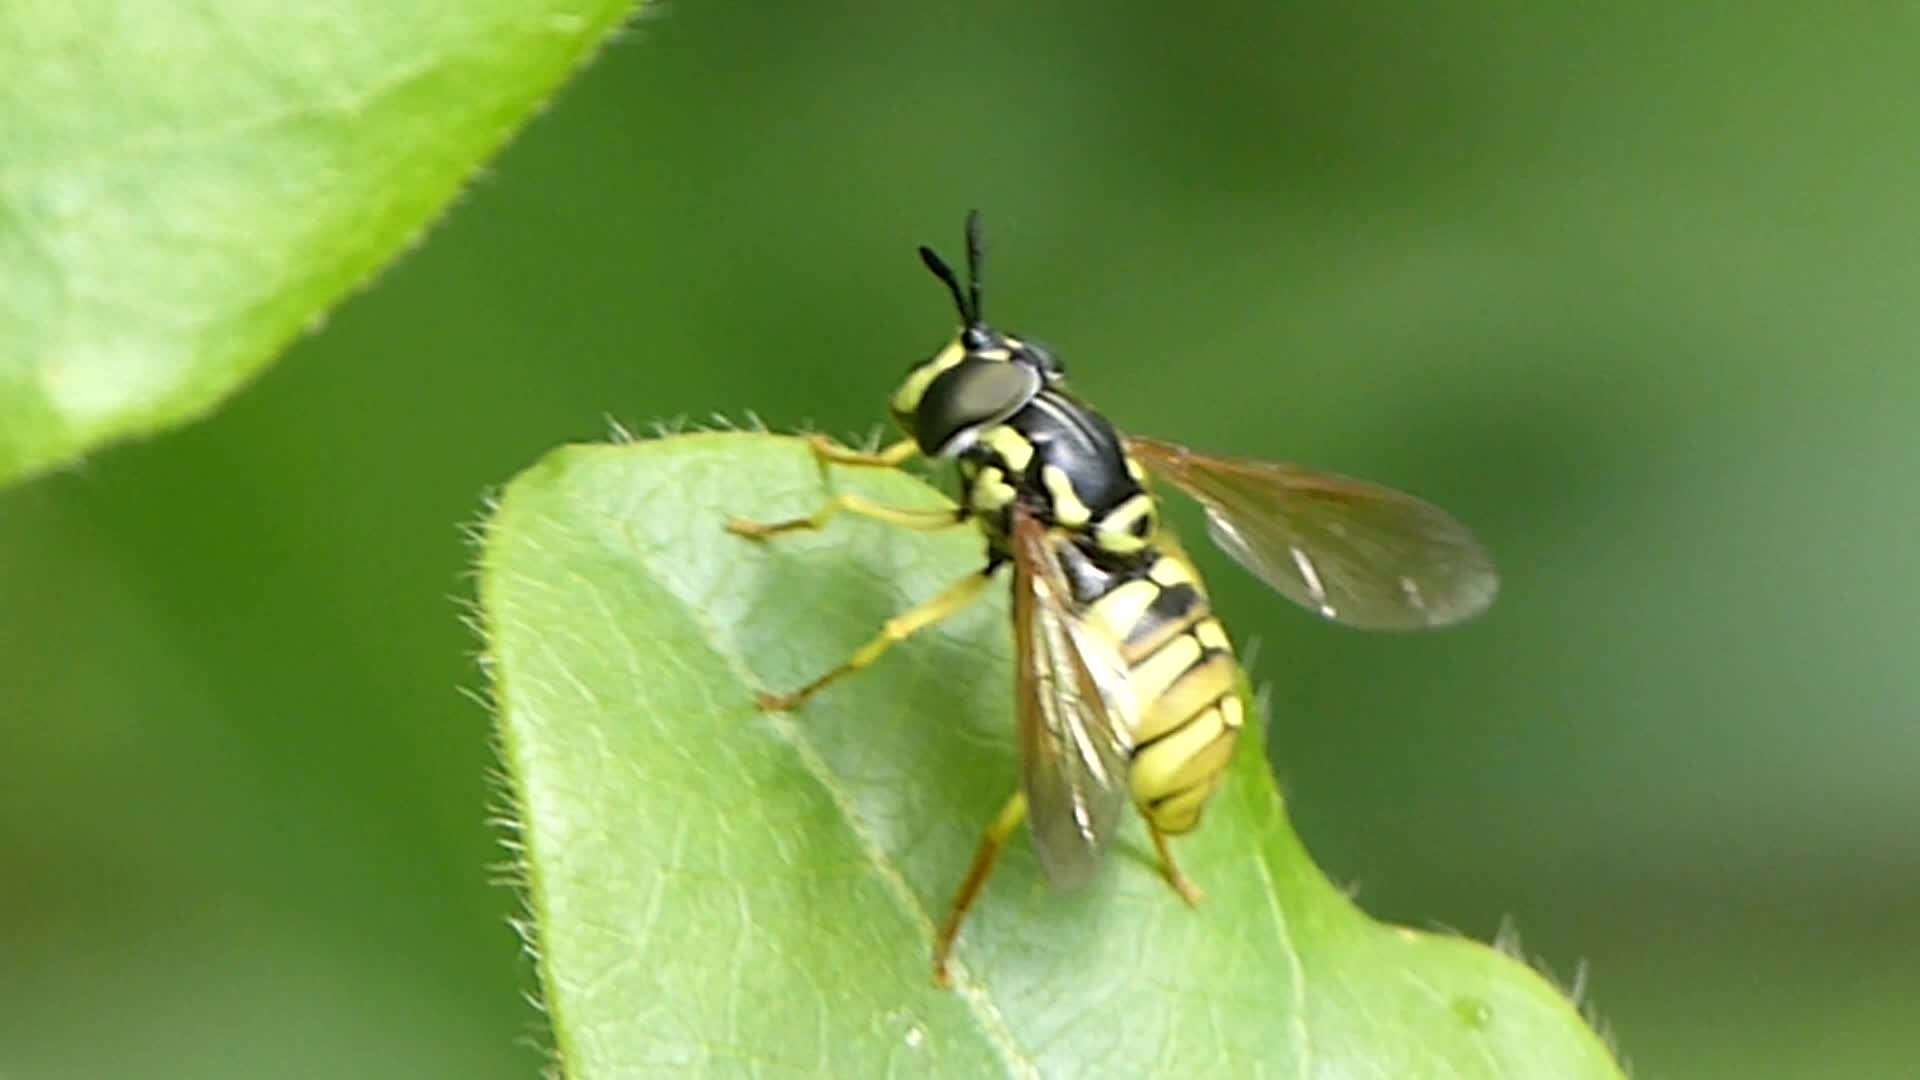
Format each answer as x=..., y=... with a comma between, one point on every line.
x=1181, y=670
x=1062, y=460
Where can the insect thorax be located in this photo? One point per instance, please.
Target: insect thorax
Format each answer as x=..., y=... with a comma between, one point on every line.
x=999, y=407
x=1062, y=462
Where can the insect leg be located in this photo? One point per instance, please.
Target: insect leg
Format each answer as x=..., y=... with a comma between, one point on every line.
x=1009, y=819
x=887, y=457
x=1188, y=890
x=849, y=503
x=895, y=630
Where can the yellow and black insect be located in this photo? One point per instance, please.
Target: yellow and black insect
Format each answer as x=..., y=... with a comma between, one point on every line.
x=1127, y=687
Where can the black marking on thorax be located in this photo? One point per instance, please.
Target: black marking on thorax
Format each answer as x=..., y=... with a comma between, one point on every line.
x=1075, y=441
x=1081, y=443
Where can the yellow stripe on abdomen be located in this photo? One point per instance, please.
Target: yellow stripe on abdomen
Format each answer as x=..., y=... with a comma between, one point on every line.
x=1122, y=608
x=1185, y=684
x=1198, y=687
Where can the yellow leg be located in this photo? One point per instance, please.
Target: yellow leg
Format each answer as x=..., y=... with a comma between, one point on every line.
x=826, y=449
x=849, y=503
x=1188, y=890
x=896, y=630
x=1009, y=819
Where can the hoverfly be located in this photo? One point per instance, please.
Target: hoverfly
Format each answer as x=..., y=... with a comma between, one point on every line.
x=1127, y=687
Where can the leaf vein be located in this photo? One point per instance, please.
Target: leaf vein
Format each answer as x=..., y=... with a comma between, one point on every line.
x=992, y=1024
x=1294, y=965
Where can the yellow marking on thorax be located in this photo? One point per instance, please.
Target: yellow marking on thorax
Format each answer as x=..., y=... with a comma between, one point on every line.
x=1013, y=447
x=991, y=492
x=907, y=398
x=1068, y=510
x=1115, y=530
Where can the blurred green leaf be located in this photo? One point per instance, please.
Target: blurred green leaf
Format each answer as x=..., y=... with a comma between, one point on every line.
x=716, y=888
x=183, y=187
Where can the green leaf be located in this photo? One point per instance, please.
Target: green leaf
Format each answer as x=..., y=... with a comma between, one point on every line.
x=716, y=888
x=184, y=186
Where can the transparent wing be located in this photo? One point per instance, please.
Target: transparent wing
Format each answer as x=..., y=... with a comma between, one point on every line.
x=1075, y=715
x=1355, y=552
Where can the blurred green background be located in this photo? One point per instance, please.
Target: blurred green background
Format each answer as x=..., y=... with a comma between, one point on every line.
x=1630, y=291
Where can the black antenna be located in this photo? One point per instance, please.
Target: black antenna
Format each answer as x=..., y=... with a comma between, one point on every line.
x=945, y=273
x=967, y=300
x=975, y=259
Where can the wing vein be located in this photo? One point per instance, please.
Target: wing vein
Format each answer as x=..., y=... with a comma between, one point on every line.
x=1353, y=552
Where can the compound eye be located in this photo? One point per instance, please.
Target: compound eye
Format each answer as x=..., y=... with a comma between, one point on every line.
x=975, y=338
x=969, y=398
